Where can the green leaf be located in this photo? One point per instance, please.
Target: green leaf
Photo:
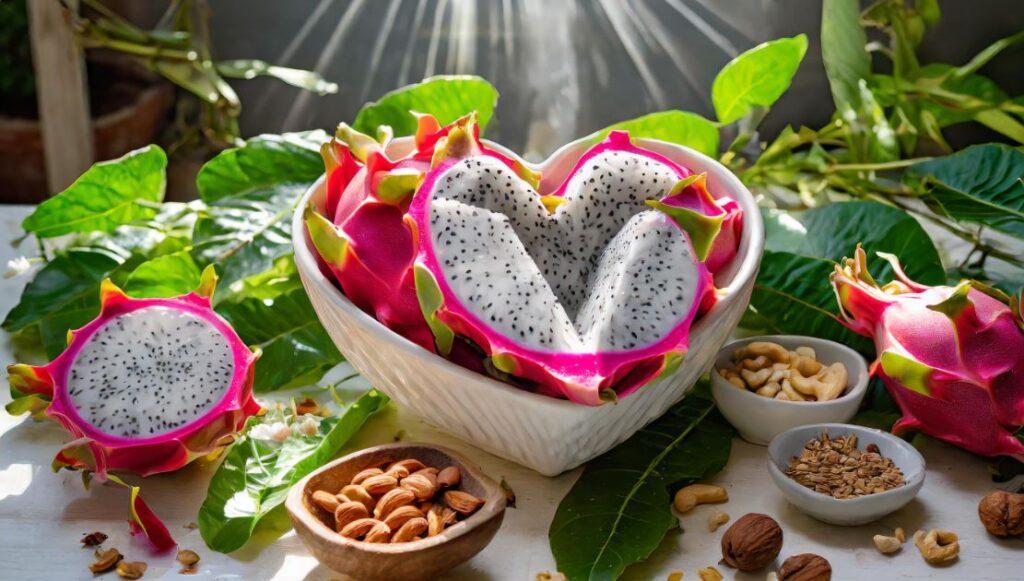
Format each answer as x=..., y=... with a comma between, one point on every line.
x=792, y=293
x=445, y=97
x=981, y=184
x=252, y=191
x=680, y=127
x=278, y=318
x=619, y=510
x=982, y=90
x=757, y=78
x=108, y=194
x=264, y=161
x=842, y=51
x=256, y=475
x=169, y=275
x=250, y=69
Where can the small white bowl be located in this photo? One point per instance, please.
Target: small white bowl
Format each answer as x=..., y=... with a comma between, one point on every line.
x=758, y=419
x=850, y=511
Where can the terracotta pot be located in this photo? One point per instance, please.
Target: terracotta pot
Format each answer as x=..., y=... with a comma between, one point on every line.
x=22, y=161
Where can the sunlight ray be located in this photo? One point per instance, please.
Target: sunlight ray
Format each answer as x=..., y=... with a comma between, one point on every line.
x=383, y=36
x=704, y=27
x=413, y=37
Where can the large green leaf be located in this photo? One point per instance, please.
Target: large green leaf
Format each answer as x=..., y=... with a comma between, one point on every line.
x=680, y=127
x=983, y=184
x=275, y=314
x=264, y=161
x=757, y=78
x=252, y=191
x=256, y=475
x=793, y=294
x=108, y=194
x=445, y=97
x=976, y=87
x=620, y=509
x=842, y=51
x=169, y=275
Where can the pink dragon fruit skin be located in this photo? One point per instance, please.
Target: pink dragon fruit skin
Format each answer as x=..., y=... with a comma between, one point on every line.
x=952, y=357
x=100, y=452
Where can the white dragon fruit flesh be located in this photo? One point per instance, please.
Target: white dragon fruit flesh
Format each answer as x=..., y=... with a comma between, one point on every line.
x=952, y=357
x=585, y=288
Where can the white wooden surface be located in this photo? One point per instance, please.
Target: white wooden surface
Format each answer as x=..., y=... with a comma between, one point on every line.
x=43, y=515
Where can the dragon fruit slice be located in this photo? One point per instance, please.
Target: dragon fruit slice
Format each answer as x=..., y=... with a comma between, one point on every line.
x=585, y=292
x=148, y=386
x=952, y=357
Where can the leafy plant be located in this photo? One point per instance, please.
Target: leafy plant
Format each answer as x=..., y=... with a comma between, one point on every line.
x=619, y=510
x=256, y=475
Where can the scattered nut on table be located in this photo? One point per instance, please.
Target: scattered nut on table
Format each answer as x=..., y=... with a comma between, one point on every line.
x=1002, y=513
x=770, y=370
x=717, y=519
x=105, y=560
x=709, y=574
x=938, y=547
x=690, y=496
x=805, y=567
x=131, y=570
x=752, y=542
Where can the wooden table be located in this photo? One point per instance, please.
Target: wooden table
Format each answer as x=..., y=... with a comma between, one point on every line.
x=43, y=515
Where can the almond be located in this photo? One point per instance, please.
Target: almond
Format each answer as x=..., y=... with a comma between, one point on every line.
x=438, y=518
x=356, y=493
x=348, y=512
x=379, y=484
x=420, y=485
x=393, y=499
x=410, y=464
x=362, y=475
x=410, y=530
x=326, y=500
x=398, y=472
x=462, y=502
x=380, y=533
x=358, y=528
x=397, y=517
x=428, y=470
x=449, y=477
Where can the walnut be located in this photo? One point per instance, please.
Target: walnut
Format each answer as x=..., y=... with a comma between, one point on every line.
x=1002, y=513
x=805, y=567
x=752, y=542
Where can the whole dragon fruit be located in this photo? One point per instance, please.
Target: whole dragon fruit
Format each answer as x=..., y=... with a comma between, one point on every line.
x=584, y=291
x=147, y=387
x=952, y=357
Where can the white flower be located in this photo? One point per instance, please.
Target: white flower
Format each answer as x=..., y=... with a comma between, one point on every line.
x=16, y=266
x=308, y=425
x=276, y=432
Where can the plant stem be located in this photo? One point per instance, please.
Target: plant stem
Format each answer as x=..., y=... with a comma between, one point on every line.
x=898, y=164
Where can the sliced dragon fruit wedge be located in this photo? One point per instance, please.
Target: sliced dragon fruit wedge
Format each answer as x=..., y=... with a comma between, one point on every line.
x=586, y=290
x=148, y=386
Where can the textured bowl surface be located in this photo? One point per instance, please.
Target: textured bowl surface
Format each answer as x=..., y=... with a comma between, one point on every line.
x=850, y=511
x=758, y=419
x=423, y=559
x=543, y=433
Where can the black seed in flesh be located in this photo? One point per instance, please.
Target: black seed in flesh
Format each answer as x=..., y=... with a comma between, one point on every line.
x=149, y=372
x=601, y=273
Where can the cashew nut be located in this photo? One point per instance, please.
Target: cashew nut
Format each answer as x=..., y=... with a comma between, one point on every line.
x=826, y=386
x=733, y=378
x=805, y=365
x=791, y=394
x=773, y=351
x=756, y=379
x=886, y=544
x=806, y=351
x=754, y=364
x=717, y=519
x=709, y=574
x=938, y=547
x=694, y=494
x=900, y=534
x=769, y=389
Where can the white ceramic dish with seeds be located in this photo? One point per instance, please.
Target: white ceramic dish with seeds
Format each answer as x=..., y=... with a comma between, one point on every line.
x=848, y=511
x=758, y=418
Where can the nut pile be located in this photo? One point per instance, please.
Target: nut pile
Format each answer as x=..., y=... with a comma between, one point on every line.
x=770, y=370
x=398, y=502
x=835, y=466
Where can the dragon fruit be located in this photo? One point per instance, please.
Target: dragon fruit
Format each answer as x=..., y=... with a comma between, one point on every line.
x=586, y=291
x=147, y=387
x=952, y=357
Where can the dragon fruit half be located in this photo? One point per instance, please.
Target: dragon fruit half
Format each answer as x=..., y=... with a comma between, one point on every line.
x=952, y=357
x=585, y=289
x=147, y=387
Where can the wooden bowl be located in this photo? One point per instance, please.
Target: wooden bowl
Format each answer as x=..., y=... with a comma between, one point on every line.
x=423, y=559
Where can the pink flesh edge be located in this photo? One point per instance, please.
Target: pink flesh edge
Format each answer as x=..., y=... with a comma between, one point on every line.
x=117, y=304
x=582, y=372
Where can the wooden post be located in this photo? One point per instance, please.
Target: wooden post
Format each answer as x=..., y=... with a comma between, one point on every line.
x=62, y=92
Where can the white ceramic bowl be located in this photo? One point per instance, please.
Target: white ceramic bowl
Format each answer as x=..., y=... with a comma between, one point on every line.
x=758, y=419
x=850, y=511
x=543, y=433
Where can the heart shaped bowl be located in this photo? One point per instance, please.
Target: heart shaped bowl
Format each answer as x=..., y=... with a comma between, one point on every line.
x=424, y=559
x=543, y=433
